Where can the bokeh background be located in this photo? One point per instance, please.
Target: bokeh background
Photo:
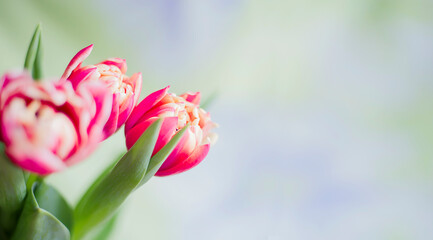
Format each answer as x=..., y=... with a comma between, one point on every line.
x=325, y=111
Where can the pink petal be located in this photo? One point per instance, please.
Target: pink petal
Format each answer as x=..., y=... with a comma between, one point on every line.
x=144, y=106
x=103, y=100
x=183, y=149
x=136, y=81
x=77, y=60
x=193, y=160
x=82, y=74
x=168, y=129
x=34, y=159
x=192, y=97
x=118, y=62
x=134, y=134
x=111, y=124
x=166, y=110
x=92, y=132
x=14, y=76
x=12, y=83
x=124, y=111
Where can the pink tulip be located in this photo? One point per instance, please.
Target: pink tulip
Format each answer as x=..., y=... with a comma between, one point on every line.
x=125, y=91
x=47, y=126
x=177, y=112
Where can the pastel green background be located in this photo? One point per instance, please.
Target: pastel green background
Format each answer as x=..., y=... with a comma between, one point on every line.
x=325, y=111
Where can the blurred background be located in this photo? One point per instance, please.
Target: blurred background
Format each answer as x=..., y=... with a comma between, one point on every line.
x=325, y=111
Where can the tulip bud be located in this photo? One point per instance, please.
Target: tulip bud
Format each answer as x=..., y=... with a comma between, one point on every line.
x=177, y=112
x=125, y=90
x=47, y=126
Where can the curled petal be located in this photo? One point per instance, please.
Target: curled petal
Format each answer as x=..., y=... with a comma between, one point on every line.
x=77, y=60
x=82, y=74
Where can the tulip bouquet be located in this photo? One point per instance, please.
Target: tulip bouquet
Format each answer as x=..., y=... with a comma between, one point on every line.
x=48, y=125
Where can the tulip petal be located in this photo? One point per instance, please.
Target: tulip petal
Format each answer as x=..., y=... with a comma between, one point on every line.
x=82, y=74
x=192, y=97
x=33, y=117
x=35, y=159
x=77, y=60
x=193, y=160
x=123, y=111
x=118, y=62
x=144, y=106
x=168, y=129
x=91, y=127
x=12, y=82
x=111, y=125
x=136, y=81
x=103, y=103
x=134, y=134
x=183, y=149
x=165, y=110
x=14, y=76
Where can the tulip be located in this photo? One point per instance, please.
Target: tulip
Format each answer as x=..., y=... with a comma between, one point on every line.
x=125, y=90
x=47, y=126
x=177, y=111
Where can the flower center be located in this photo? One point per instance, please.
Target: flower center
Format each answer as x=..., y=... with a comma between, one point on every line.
x=186, y=112
x=114, y=78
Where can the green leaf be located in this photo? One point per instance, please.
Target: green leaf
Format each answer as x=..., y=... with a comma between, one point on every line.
x=3, y=235
x=102, y=176
x=134, y=169
x=52, y=201
x=103, y=199
x=34, y=54
x=37, y=66
x=12, y=192
x=36, y=223
x=106, y=230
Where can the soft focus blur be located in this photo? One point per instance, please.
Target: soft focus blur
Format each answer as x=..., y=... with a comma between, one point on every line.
x=325, y=111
